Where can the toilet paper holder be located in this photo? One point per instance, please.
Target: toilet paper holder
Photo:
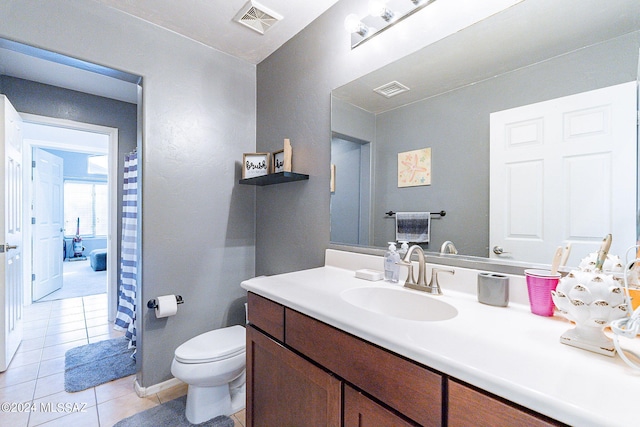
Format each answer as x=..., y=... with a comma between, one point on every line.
x=153, y=304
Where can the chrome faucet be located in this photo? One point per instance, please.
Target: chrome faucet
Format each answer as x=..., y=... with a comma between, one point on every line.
x=433, y=287
x=421, y=284
x=448, y=248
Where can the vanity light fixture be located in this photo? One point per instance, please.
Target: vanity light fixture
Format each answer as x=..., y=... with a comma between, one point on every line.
x=382, y=15
x=353, y=25
x=379, y=8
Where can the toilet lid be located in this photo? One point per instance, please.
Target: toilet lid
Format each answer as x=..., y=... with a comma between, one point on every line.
x=213, y=345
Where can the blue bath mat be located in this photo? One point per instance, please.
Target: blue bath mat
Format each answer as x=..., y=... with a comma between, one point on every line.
x=94, y=364
x=170, y=414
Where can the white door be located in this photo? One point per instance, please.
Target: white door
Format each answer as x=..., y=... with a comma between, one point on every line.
x=11, y=239
x=49, y=223
x=563, y=171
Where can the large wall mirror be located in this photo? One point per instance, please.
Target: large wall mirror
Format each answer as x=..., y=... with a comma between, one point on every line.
x=532, y=52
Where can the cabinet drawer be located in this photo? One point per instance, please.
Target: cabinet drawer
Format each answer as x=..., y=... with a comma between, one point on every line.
x=360, y=411
x=266, y=315
x=403, y=385
x=469, y=407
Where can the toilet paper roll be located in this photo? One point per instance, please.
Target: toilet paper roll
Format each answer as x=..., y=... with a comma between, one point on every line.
x=167, y=306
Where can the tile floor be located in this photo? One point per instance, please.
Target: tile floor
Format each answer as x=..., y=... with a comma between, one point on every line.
x=36, y=373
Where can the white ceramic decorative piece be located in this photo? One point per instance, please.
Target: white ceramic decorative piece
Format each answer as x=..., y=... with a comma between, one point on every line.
x=612, y=264
x=590, y=299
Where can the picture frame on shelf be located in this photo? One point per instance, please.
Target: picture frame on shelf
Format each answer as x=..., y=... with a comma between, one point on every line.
x=278, y=161
x=255, y=164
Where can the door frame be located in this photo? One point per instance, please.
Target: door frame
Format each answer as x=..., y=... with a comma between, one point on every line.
x=112, y=259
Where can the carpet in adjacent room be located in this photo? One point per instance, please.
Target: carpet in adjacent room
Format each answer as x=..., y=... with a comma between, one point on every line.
x=94, y=364
x=170, y=414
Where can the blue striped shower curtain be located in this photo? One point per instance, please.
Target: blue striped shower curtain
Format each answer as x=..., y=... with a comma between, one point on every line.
x=126, y=315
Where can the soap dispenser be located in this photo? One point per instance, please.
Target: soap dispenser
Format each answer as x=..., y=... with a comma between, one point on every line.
x=391, y=268
x=404, y=247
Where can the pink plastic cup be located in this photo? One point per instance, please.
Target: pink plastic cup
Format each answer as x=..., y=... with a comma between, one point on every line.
x=540, y=283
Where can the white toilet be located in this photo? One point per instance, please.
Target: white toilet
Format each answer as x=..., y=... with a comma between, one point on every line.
x=213, y=365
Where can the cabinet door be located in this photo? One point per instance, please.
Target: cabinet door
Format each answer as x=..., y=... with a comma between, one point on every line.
x=407, y=387
x=469, y=407
x=360, y=411
x=284, y=389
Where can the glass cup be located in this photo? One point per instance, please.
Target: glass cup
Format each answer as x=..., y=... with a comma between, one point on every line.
x=540, y=283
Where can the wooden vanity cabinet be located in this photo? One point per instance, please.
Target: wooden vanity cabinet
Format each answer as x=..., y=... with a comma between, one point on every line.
x=283, y=389
x=471, y=407
x=303, y=372
x=266, y=315
x=405, y=386
x=360, y=411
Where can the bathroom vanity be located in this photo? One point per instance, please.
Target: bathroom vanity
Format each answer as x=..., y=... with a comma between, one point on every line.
x=313, y=358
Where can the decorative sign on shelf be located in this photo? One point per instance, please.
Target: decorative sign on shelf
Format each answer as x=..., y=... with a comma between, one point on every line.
x=260, y=164
x=414, y=168
x=255, y=164
x=282, y=158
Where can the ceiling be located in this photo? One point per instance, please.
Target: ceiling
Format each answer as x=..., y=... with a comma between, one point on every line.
x=212, y=22
x=529, y=30
x=209, y=22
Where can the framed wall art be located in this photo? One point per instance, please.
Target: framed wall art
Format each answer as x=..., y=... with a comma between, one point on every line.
x=255, y=164
x=414, y=168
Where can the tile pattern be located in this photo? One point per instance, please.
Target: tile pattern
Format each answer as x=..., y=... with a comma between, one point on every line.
x=33, y=385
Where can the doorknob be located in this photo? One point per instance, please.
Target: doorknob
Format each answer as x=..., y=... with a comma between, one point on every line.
x=499, y=251
x=6, y=247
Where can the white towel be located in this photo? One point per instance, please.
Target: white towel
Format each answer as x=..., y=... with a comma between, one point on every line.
x=413, y=227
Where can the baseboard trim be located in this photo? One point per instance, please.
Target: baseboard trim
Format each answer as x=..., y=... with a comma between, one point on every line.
x=156, y=388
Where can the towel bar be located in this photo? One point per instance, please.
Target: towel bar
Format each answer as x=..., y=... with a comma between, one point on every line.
x=440, y=214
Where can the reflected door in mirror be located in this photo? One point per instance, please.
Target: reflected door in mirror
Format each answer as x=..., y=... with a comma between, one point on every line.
x=563, y=171
x=351, y=195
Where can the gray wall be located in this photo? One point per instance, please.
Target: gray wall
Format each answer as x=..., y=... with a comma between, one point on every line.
x=347, y=119
x=456, y=127
x=293, y=101
x=199, y=115
x=294, y=85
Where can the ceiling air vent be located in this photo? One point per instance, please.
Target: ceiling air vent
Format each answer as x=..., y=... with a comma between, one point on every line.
x=391, y=89
x=257, y=17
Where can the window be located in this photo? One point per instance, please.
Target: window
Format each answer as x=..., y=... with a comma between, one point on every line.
x=97, y=165
x=87, y=201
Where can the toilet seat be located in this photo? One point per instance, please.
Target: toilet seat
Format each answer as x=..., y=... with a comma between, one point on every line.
x=213, y=346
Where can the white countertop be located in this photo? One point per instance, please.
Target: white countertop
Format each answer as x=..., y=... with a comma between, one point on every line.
x=507, y=351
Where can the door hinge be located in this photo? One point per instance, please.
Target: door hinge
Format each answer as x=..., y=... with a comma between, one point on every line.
x=33, y=220
x=33, y=163
x=33, y=277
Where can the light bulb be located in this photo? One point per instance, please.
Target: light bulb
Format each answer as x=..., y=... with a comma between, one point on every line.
x=379, y=8
x=353, y=25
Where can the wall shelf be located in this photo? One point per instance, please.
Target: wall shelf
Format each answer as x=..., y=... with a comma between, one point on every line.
x=274, y=178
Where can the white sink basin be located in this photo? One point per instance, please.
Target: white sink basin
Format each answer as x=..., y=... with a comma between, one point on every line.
x=400, y=303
